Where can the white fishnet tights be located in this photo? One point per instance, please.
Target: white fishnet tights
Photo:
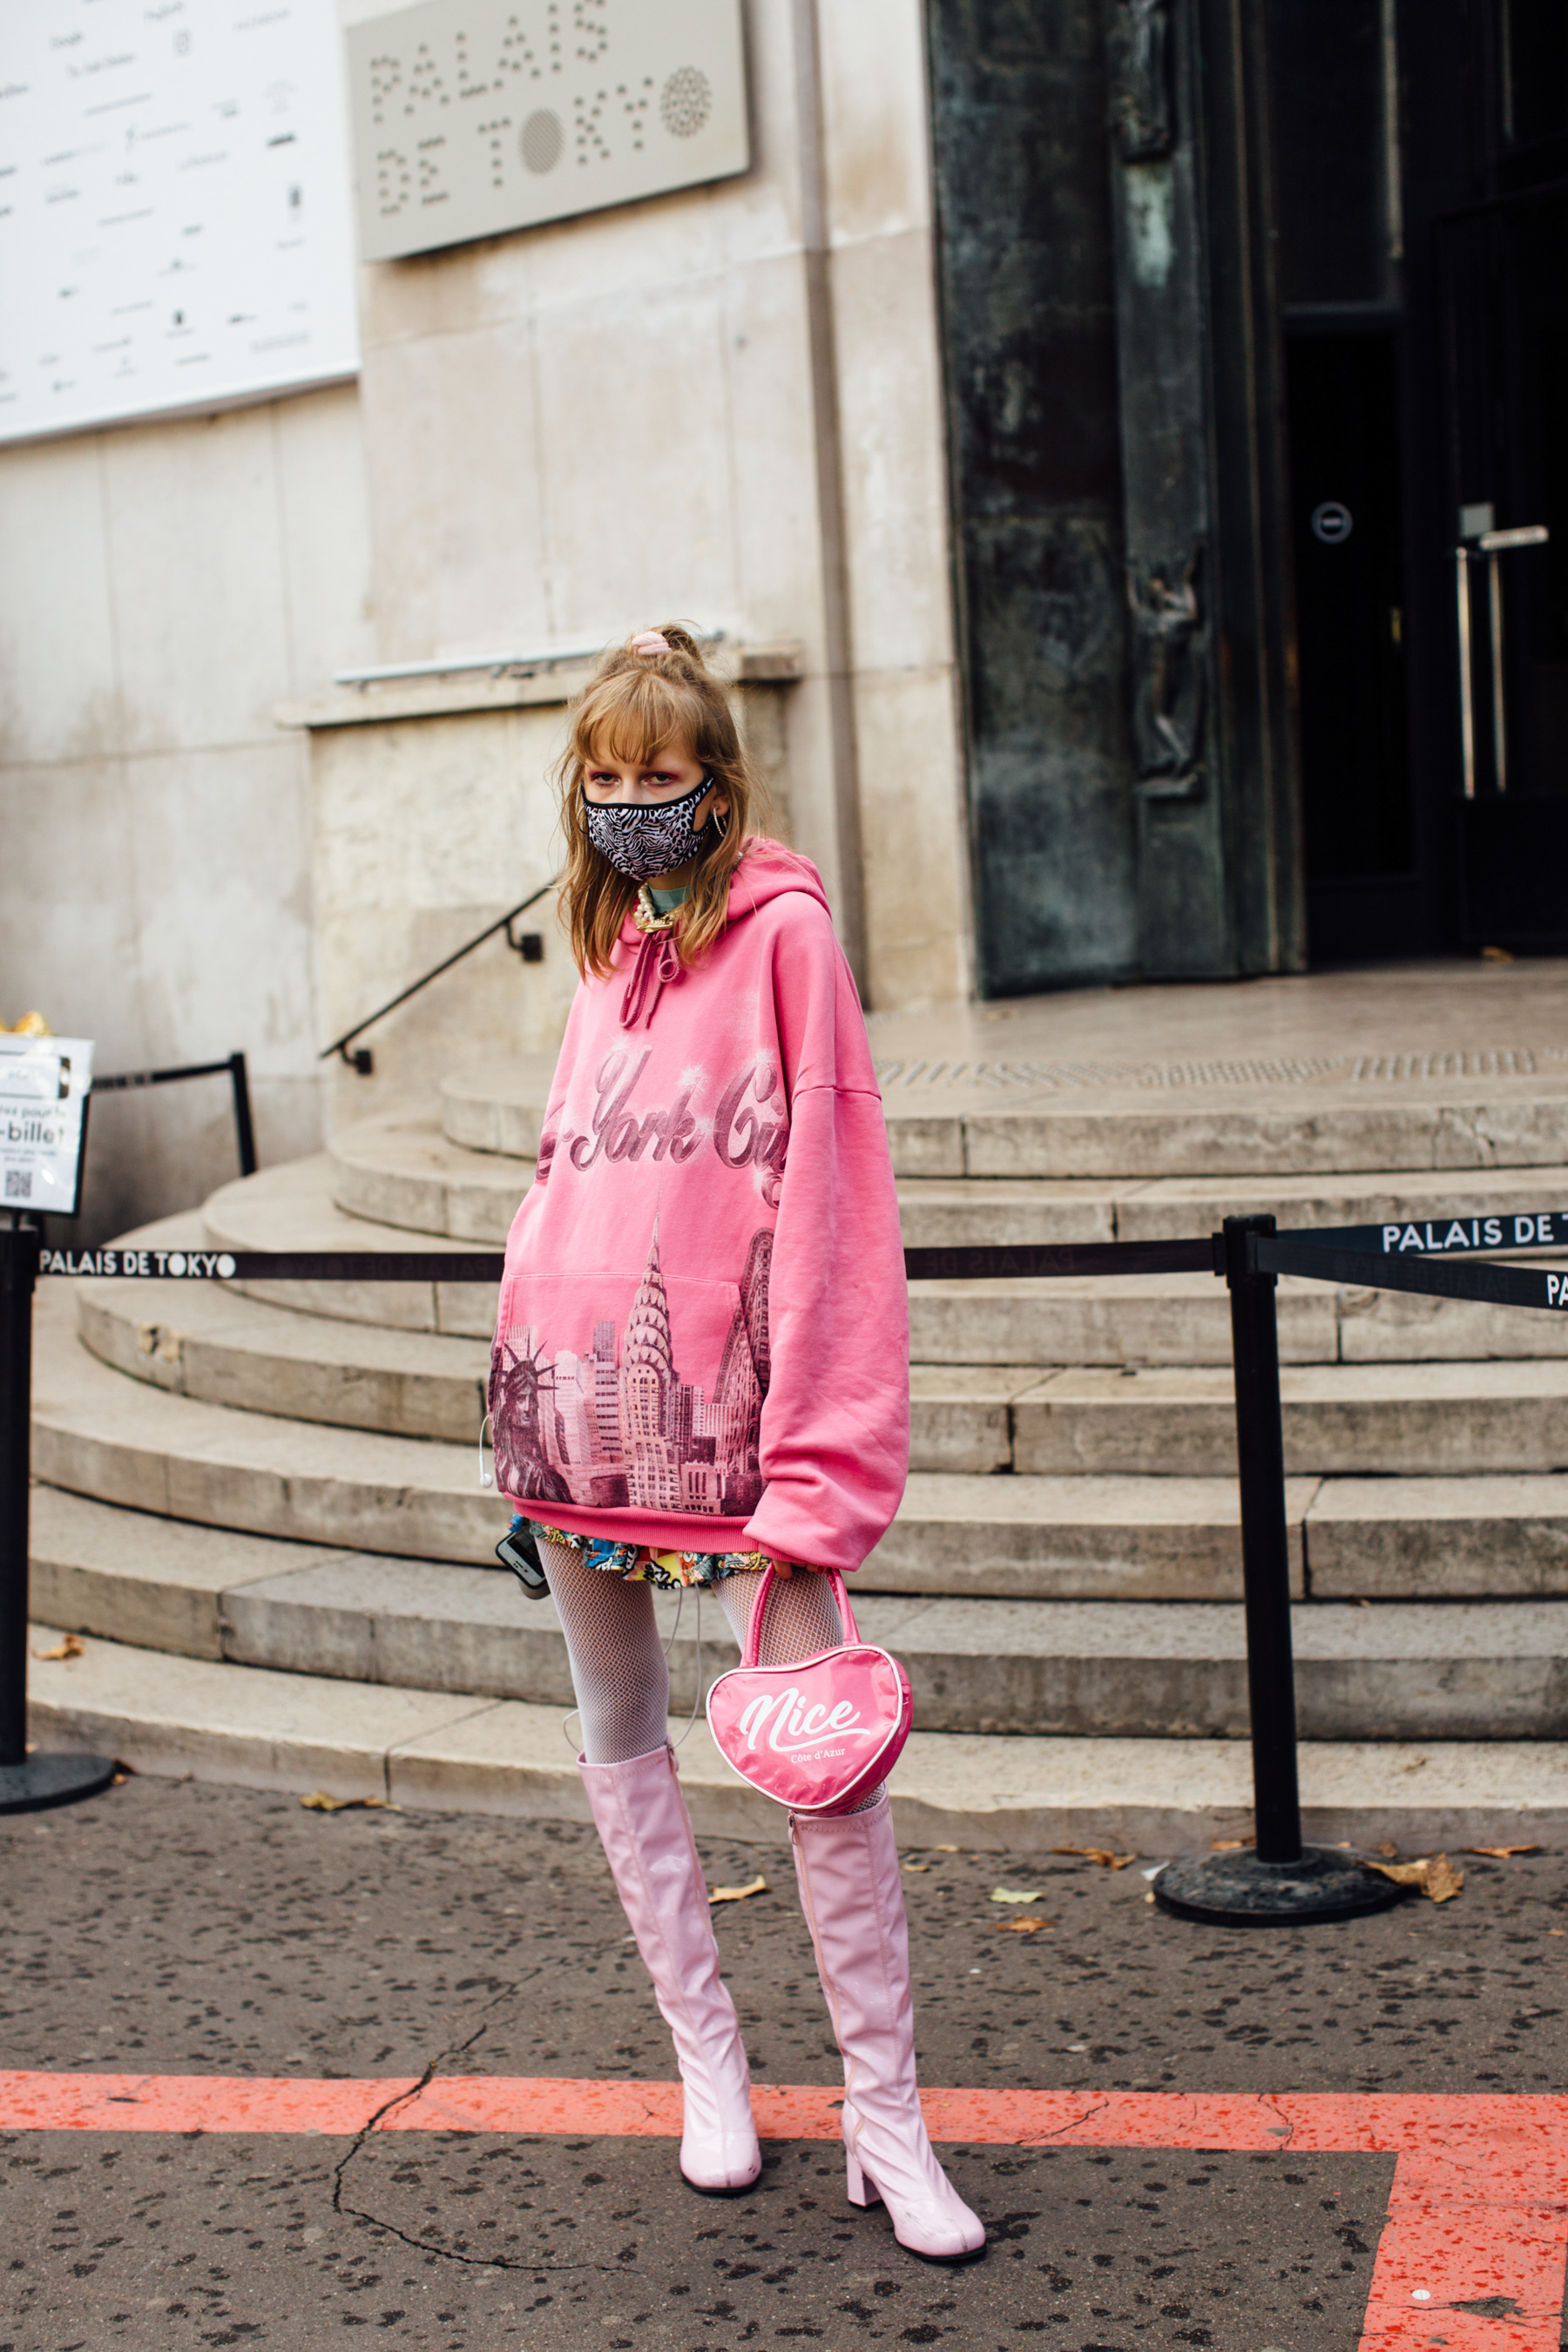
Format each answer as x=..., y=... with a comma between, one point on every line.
x=618, y=1669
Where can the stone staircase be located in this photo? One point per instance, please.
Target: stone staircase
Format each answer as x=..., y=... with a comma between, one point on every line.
x=261, y=1507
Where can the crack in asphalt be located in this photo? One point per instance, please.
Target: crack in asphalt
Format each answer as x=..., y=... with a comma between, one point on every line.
x=453, y=2050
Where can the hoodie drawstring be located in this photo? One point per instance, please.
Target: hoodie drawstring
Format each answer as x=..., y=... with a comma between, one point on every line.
x=658, y=967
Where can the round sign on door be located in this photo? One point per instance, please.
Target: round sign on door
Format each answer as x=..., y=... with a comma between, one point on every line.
x=1333, y=522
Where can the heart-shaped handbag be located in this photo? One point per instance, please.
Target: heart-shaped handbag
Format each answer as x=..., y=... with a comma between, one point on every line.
x=819, y=1734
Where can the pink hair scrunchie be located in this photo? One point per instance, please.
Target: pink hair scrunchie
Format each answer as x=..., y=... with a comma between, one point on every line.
x=651, y=642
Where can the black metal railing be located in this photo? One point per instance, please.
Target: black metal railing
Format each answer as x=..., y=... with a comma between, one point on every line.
x=234, y=1069
x=529, y=945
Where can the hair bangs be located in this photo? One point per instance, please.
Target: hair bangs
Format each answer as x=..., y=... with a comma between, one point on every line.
x=633, y=718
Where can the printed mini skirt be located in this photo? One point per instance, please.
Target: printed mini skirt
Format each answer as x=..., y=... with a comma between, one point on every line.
x=669, y=1572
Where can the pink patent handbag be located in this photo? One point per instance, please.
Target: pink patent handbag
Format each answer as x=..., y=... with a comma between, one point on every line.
x=819, y=1734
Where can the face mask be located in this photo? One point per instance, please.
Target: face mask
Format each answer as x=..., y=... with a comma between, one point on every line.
x=642, y=841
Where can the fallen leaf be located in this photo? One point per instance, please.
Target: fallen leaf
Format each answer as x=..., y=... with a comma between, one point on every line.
x=318, y=1802
x=1021, y=1927
x=1433, y=1874
x=919, y=1868
x=1500, y=1853
x=1557, y=1931
x=944, y=1849
x=1230, y=1846
x=759, y=1885
x=1100, y=1854
x=1015, y=1893
x=71, y=1645
x=1389, y=1852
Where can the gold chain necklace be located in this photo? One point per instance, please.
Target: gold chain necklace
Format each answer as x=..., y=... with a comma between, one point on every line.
x=647, y=917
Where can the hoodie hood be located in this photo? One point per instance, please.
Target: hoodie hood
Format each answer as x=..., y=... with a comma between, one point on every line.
x=766, y=871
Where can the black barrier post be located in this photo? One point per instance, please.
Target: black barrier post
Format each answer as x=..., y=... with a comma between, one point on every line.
x=244, y=1132
x=27, y=1782
x=1280, y=1880
x=1264, y=1545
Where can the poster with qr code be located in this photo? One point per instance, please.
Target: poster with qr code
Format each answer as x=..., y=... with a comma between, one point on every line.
x=44, y=1086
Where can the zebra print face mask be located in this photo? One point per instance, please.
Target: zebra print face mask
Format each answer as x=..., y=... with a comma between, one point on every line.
x=643, y=841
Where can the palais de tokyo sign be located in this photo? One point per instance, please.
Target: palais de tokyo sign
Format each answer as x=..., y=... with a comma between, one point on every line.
x=44, y=1087
x=473, y=117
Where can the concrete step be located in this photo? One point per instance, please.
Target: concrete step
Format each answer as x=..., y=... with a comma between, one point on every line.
x=1490, y=1670
x=1402, y=1419
x=215, y=1343
x=400, y=1169
x=499, y=1105
x=939, y=1213
x=291, y=1208
x=459, y=1752
x=1252, y=1114
x=998, y=1120
x=1077, y=1537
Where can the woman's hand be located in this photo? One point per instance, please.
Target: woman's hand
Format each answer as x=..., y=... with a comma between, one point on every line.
x=786, y=1568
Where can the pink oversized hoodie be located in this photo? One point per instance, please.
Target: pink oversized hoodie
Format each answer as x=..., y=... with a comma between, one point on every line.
x=703, y=1336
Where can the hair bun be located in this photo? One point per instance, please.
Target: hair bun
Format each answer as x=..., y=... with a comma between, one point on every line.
x=677, y=639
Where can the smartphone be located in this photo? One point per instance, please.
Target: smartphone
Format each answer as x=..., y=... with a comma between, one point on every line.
x=518, y=1552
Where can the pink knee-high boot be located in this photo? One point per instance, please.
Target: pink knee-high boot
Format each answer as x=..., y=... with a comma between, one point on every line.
x=645, y=1832
x=853, y=1897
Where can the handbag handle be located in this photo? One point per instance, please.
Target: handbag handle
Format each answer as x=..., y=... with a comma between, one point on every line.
x=755, y=1628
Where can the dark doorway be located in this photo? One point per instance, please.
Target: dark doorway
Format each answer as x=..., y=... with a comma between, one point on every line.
x=1421, y=167
x=1507, y=345
x=1350, y=598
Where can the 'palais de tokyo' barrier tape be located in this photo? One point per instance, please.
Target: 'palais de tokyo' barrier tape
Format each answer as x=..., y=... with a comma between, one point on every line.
x=277, y=1266
x=1493, y=1286
x=411, y=1266
x=1444, y=1237
x=1391, y=1256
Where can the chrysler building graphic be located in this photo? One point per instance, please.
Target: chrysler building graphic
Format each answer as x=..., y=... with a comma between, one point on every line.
x=618, y=1426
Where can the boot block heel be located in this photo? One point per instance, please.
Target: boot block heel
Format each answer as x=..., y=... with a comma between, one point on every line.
x=859, y=2190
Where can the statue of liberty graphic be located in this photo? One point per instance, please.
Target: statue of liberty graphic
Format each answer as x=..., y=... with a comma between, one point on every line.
x=519, y=1380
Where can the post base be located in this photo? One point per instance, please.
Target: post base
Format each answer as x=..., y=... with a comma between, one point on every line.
x=1236, y=1890
x=41, y=1781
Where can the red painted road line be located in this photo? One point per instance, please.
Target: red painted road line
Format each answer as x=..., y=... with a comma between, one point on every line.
x=1478, y=2210
x=1513, y=2136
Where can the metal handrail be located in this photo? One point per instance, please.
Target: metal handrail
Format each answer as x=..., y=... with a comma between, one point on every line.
x=529, y=947
x=233, y=1068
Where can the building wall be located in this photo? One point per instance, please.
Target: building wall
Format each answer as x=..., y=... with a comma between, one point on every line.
x=556, y=436
x=161, y=586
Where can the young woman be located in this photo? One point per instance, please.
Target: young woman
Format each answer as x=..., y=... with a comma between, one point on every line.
x=701, y=1365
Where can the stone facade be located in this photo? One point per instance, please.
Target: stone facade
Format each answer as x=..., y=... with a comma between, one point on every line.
x=725, y=403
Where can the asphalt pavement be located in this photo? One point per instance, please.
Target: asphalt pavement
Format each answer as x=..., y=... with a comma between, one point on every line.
x=175, y=1928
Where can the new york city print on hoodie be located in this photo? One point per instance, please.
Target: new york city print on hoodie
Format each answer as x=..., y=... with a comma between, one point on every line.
x=703, y=1342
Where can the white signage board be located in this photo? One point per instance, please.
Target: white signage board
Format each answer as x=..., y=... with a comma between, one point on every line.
x=472, y=117
x=176, y=220
x=44, y=1087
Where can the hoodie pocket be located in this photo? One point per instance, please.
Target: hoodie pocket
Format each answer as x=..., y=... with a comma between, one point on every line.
x=619, y=1391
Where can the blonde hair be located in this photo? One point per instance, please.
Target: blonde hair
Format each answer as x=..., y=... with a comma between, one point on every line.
x=635, y=705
